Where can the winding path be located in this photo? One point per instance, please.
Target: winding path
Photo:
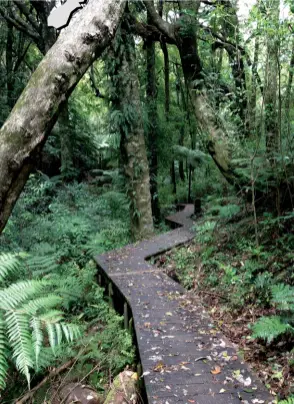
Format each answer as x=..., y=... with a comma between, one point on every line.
x=185, y=359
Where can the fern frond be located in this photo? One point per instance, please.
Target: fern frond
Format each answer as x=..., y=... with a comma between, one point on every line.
x=41, y=265
x=37, y=337
x=19, y=292
x=71, y=331
x=3, y=352
x=40, y=304
x=9, y=263
x=268, y=328
x=283, y=296
x=20, y=338
x=289, y=400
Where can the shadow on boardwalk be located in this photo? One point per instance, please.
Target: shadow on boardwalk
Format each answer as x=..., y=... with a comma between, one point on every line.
x=184, y=358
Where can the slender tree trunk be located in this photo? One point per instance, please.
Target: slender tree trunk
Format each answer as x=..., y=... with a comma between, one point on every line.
x=153, y=127
x=181, y=96
x=253, y=95
x=67, y=166
x=9, y=66
x=289, y=91
x=271, y=81
x=25, y=131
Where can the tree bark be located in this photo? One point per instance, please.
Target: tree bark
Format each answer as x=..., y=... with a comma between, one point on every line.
x=127, y=105
x=271, y=80
x=35, y=113
x=253, y=94
x=289, y=91
x=9, y=66
x=152, y=126
x=67, y=166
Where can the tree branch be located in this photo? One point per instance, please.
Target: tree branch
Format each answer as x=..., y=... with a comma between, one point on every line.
x=166, y=28
x=25, y=11
x=20, y=25
x=147, y=31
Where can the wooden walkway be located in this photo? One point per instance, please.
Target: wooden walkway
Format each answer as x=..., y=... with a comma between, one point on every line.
x=184, y=358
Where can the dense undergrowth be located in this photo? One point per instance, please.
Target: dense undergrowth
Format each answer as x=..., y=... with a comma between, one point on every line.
x=53, y=233
x=246, y=286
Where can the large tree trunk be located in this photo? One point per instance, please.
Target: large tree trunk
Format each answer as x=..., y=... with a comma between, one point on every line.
x=35, y=113
x=125, y=97
x=152, y=126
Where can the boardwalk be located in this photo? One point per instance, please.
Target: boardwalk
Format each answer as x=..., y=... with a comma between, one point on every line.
x=184, y=358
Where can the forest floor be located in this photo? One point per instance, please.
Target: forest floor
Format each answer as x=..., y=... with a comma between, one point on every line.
x=232, y=278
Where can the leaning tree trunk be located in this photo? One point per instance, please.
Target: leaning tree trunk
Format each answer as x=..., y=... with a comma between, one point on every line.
x=126, y=104
x=35, y=113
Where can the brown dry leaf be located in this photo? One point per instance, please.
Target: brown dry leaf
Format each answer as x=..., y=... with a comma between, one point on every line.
x=217, y=370
x=159, y=367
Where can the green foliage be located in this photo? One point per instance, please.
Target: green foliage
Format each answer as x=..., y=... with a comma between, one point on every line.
x=29, y=314
x=289, y=400
x=61, y=233
x=268, y=328
x=204, y=232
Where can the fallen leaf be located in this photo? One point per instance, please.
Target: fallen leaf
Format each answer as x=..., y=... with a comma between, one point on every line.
x=216, y=370
x=222, y=391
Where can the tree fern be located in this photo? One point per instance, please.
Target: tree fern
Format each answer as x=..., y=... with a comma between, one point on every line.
x=28, y=311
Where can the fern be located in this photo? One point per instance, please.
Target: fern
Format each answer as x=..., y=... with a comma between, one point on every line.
x=289, y=400
x=283, y=297
x=268, y=328
x=28, y=312
x=9, y=263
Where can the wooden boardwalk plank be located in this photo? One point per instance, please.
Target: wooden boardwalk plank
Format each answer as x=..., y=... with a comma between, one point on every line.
x=179, y=345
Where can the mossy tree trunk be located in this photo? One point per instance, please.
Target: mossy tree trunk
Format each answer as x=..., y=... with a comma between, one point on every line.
x=9, y=66
x=128, y=121
x=184, y=35
x=152, y=126
x=25, y=131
